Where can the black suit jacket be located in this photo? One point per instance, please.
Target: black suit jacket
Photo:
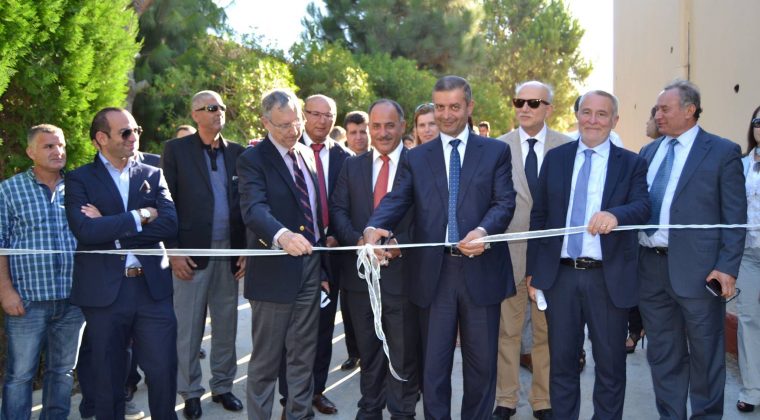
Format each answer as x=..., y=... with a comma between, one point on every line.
x=351, y=205
x=151, y=159
x=184, y=165
x=98, y=277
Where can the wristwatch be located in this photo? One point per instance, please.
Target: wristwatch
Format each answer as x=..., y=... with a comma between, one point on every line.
x=144, y=216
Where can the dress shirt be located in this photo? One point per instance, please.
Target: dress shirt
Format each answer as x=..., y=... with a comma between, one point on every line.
x=324, y=156
x=753, y=206
x=121, y=179
x=33, y=217
x=539, y=147
x=614, y=137
x=680, y=153
x=445, y=139
x=377, y=163
x=592, y=247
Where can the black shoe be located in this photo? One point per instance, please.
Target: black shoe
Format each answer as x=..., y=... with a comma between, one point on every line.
x=192, y=408
x=745, y=407
x=350, y=364
x=545, y=414
x=503, y=413
x=229, y=401
x=323, y=404
x=202, y=353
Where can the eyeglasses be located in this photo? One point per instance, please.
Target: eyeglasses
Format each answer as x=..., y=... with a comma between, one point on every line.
x=125, y=133
x=533, y=103
x=212, y=108
x=755, y=123
x=428, y=106
x=328, y=115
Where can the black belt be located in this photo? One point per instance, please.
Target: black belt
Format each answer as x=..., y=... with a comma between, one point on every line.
x=581, y=263
x=453, y=251
x=659, y=250
x=133, y=272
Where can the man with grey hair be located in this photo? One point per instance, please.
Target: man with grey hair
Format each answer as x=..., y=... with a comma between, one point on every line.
x=279, y=198
x=35, y=288
x=694, y=178
x=201, y=172
x=528, y=144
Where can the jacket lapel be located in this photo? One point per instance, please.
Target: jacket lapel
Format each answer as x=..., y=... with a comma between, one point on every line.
x=613, y=173
x=698, y=152
x=567, y=174
x=472, y=155
x=135, y=183
x=279, y=165
x=438, y=171
x=518, y=172
x=101, y=173
x=197, y=157
x=367, y=187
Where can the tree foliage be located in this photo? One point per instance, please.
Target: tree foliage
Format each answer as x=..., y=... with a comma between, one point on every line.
x=70, y=58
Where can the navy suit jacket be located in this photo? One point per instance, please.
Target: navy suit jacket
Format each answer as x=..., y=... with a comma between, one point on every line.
x=625, y=195
x=268, y=201
x=98, y=277
x=351, y=206
x=710, y=191
x=486, y=199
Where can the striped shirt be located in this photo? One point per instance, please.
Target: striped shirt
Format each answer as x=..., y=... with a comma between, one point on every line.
x=33, y=217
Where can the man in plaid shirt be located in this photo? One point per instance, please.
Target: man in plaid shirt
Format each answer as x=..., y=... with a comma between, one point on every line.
x=34, y=288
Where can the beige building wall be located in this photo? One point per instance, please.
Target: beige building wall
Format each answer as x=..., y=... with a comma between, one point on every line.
x=715, y=44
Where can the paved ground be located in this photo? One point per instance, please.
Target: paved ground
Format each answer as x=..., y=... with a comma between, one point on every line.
x=343, y=387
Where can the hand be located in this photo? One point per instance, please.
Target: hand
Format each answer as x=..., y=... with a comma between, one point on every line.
x=727, y=282
x=469, y=248
x=91, y=211
x=394, y=252
x=325, y=286
x=153, y=213
x=602, y=222
x=294, y=244
x=331, y=242
x=11, y=302
x=531, y=289
x=241, y=268
x=182, y=267
x=372, y=236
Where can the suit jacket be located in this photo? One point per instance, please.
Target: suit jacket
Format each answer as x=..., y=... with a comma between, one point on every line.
x=710, y=190
x=268, y=201
x=521, y=220
x=151, y=159
x=184, y=164
x=98, y=277
x=625, y=195
x=486, y=199
x=351, y=206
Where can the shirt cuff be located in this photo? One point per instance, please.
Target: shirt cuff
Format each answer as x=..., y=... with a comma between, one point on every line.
x=138, y=220
x=276, y=239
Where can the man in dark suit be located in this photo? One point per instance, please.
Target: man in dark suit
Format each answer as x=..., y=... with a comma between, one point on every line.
x=112, y=203
x=279, y=199
x=695, y=178
x=200, y=170
x=362, y=184
x=589, y=277
x=461, y=188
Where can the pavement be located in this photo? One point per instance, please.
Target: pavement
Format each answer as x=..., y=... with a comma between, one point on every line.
x=343, y=387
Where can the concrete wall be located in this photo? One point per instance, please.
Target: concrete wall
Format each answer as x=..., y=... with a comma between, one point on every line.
x=715, y=44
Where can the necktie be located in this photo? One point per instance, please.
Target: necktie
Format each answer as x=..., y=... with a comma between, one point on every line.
x=454, y=168
x=531, y=168
x=659, y=185
x=303, y=196
x=381, y=185
x=322, y=186
x=578, y=215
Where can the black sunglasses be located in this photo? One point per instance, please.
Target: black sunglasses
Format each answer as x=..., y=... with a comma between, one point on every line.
x=533, y=103
x=212, y=108
x=755, y=123
x=125, y=133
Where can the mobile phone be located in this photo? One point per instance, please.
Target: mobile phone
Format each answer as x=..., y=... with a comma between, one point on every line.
x=713, y=286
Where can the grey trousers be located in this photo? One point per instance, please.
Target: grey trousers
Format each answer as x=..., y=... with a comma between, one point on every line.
x=216, y=287
x=748, y=308
x=292, y=327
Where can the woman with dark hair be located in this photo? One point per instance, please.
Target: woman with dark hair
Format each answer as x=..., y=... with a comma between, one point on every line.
x=747, y=304
x=425, y=128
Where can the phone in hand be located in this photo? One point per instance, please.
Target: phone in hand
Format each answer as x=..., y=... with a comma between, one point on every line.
x=713, y=286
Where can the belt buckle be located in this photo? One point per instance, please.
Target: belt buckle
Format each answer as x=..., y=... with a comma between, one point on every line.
x=578, y=267
x=455, y=252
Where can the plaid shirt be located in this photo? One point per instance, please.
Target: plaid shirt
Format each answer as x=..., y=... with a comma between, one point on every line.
x=31, y=217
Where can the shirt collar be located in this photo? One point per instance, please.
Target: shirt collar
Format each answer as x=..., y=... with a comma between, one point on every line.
x=131, y=162
x=687, y=137
x=540, y=136
x=463, y=136
x=603, y=149
x=33, y=177
x=395, y=155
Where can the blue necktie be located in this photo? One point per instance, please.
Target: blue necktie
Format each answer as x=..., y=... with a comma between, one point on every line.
x=659, y=185
x=454, y=167
x=578, y=215
x=531, y=168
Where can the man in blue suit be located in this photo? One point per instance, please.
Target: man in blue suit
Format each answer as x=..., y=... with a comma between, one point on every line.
x=461, y=188
x=117, y=203
x=589, y=277
x=695, y=178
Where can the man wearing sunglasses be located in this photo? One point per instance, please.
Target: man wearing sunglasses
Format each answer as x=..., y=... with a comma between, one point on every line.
x=528, y=144
x=115, y=203
x=202, y=177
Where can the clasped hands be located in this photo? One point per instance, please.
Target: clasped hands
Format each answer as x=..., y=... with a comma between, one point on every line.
x=467, y=245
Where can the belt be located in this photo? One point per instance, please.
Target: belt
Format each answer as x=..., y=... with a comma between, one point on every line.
x=659, y=250
x=133, y=272
x=581, y=263
x=453, y=251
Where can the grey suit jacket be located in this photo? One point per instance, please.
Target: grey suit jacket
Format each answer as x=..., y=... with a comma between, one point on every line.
x=521, y=220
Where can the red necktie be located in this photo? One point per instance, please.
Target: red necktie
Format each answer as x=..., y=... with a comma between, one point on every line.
x=322, y=187
x=381, y=185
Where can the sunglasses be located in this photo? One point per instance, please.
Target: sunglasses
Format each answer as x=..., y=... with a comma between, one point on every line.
x=212, y=108
x=755, y=123
x=533, y=103
x=127, y=132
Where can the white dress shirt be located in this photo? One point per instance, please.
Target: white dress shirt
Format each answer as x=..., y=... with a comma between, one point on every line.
x=121, y=180
x=377, y=163
x=324, y=157
x=539, y=147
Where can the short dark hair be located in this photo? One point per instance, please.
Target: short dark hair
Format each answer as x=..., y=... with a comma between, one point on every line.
x=356, y=117
x=100, y=121
x=399, y=110
x=689, y=94
x=485, y=124
x=652, y=112
x=751, y=140
x=449, y=83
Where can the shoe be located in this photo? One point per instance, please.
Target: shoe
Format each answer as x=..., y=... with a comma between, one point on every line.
x=192, y=408
x=502, y=413
x=350, y=364
x=745, y=407
x=131, y=412
x=545, y=414
x=202, y=353
x=633, y=340
x=323, y=404
x=526, y=361
x=130, y=392
x=229, y=401
x=581, y=361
